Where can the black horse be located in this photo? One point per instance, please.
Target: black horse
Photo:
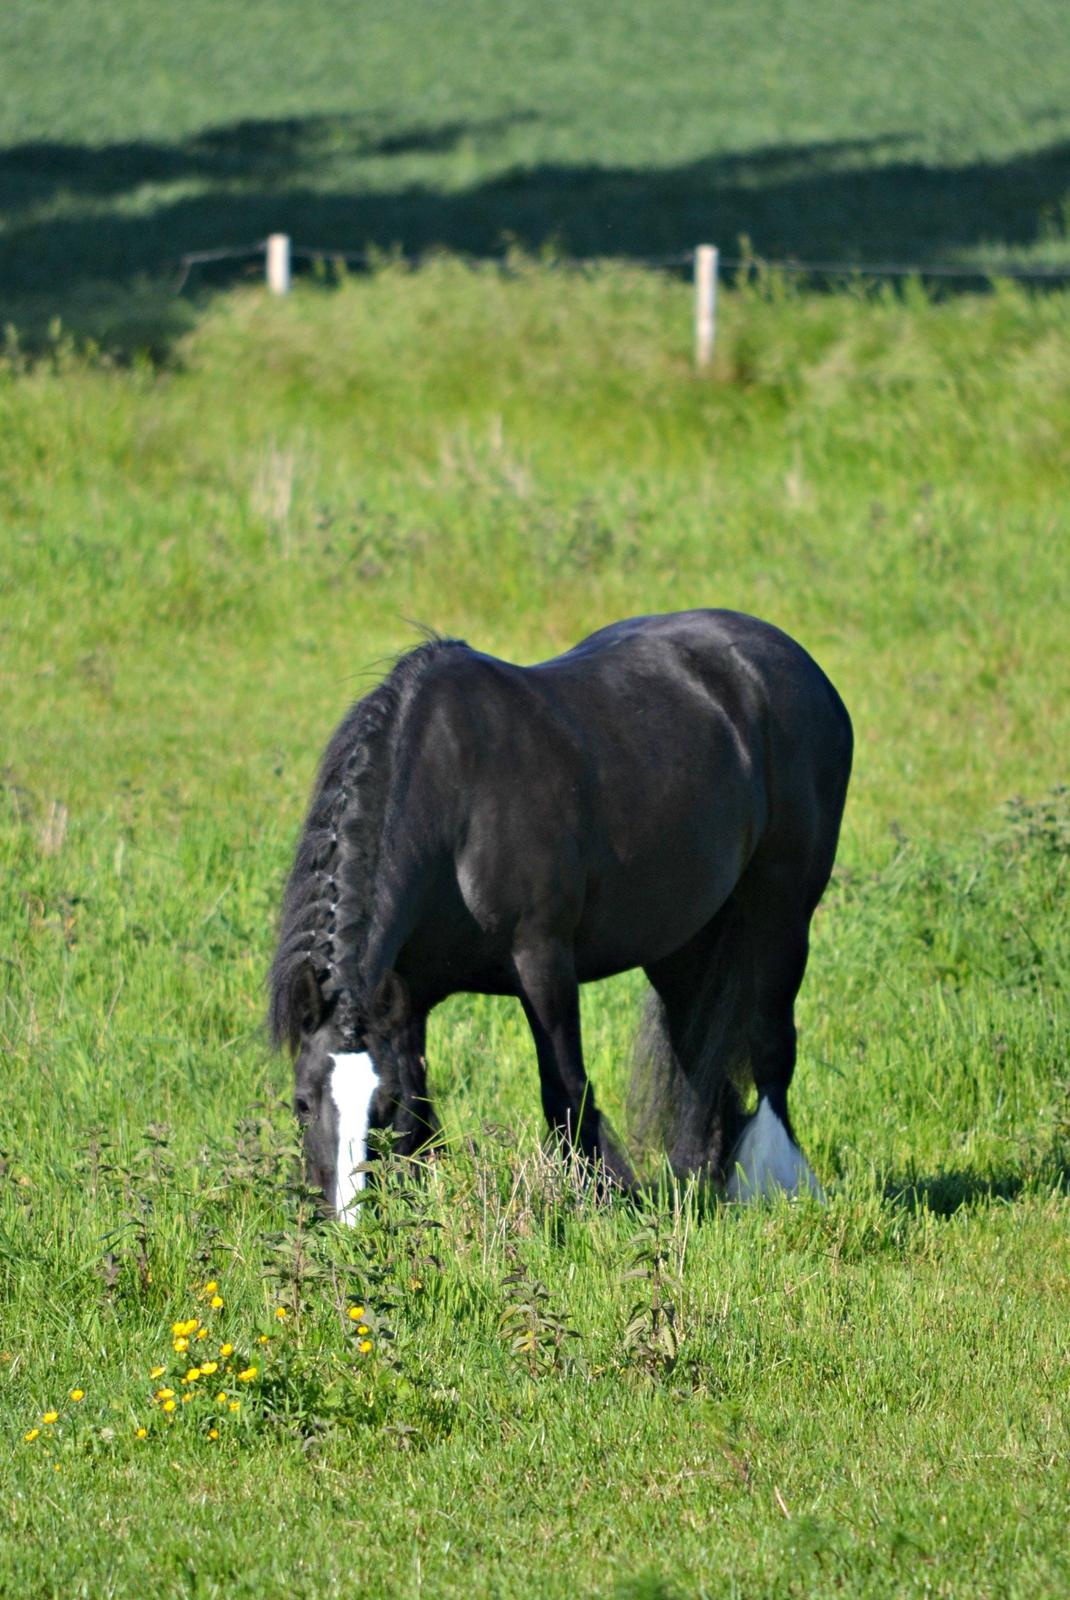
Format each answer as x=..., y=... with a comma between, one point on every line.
x=667, y=795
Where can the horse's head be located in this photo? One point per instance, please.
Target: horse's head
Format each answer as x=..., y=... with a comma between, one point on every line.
x=343, y=1087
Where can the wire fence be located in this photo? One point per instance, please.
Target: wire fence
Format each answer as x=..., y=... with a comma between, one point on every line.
x=705, y=262
x=682, y=260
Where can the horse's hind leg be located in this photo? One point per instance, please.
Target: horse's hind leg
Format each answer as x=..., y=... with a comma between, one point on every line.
x=549, y=994
x=685, y=1079
x=776, y=921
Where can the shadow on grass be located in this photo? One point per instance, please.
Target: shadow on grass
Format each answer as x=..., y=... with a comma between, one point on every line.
x=81, y=225
x=944, y=1193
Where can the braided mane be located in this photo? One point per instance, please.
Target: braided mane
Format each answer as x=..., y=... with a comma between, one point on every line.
x=330, y=896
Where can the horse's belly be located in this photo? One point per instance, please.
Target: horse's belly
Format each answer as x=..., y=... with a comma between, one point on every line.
x=634, y=918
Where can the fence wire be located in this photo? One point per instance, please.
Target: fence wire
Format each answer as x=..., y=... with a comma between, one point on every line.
x=364, y=260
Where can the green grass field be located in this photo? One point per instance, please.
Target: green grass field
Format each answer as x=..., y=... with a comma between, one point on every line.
x=220, y=517
x=131, y=133
x=202, y=565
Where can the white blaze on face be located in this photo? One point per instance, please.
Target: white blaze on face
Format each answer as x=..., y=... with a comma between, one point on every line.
x=767, y=1159
x=352, y=1083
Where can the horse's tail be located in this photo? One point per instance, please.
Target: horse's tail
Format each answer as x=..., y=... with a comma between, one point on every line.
x=692, y=1061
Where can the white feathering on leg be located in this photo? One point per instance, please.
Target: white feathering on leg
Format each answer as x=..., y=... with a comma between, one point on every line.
x=353, y=1082
x=767, y=1160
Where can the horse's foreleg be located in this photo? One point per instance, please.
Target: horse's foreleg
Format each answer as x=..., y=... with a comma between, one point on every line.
x=550, y=996
x=415, y=1121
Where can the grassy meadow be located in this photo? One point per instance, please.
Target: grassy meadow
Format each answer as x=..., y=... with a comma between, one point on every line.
x=202, y=564
x=131, y=133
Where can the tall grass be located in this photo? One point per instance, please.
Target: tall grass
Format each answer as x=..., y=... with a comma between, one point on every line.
x=201, y=567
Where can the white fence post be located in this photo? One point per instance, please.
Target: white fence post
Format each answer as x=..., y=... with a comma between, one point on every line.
x=705, y=303
x=278, y=263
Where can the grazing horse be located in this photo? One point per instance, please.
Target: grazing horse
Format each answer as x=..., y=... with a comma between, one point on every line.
x=666, y=795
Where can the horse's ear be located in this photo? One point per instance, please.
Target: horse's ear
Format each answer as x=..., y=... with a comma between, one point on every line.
x=308, y=998
x=390, y=1006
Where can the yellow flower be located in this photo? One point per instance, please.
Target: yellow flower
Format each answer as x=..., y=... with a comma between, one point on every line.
x=234, y=1405
x=364, y=1346
x=32, y=1435
x=142, y=1433
x=213, y=1433
x=281, y=1313
x=208, y=1367
x=186, y=1398
x=164, y=1394
x=265, y=1338
x=192, y=1375
x=55, y=1466
x=77, y=1394
x=181, y=1329
x=226, y=1349
x=202, y=1333
x=169, y=1405
x=211, y=1288
x=50, y=1416
x=157, y=1372
x=356, y=1313
x=217, y=1302
x=181, y=1345
x=248, y=1375
x=221, y=1398
x=363, y=1328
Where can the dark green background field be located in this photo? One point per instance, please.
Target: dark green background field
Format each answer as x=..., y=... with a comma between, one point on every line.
x=132, y=133
x=205, y=556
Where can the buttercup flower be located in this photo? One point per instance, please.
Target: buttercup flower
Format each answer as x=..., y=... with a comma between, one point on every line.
x=265, y=1338
x=211, y=1288
x=77, y=1394
x=192, y=1375
x=226, y=1349
x=180, y=1346
x=281, y=1313
x=216, y=1302
x=221, y=1398
x=234, y=1405
x=356, y=1313
x=50, y=1416
x=169, y=1405
x=157, y=1372
x=208, y=1367
x=213, y=1433
x=202, y=1333
x=248, y=1375
x=364, y=1346
x=32, y=1435
x=164, y=1394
